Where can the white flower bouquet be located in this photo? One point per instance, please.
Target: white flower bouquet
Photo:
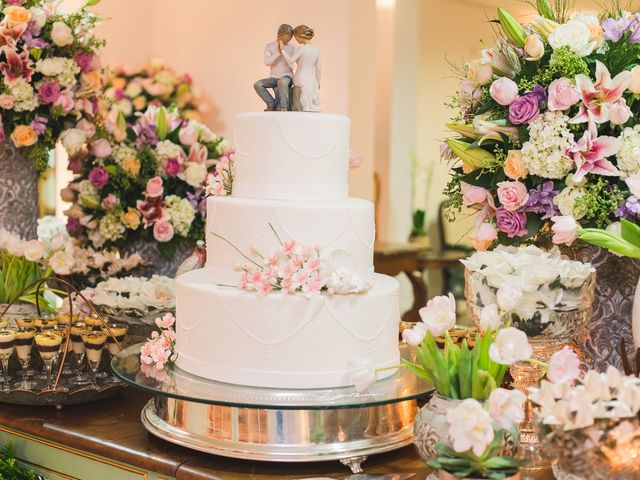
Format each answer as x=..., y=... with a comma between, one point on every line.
x=537, y=291
x=136, y=295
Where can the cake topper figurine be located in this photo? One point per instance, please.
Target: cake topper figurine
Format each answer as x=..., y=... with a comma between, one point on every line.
x=306, y=81
x=281, y=74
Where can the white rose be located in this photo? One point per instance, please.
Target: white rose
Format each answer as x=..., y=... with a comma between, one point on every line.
x=61, y=34
x=195, y=174
x=50, y=67
x=508, y=297
x=133, y=89
x=574, y=34
x=470, y=427
x=566, y=202
x=506, y=407
x=510, y=345
x=361, y=373
x=73, y=140
x=490, y=318
x=33, y=250
x=38, y=15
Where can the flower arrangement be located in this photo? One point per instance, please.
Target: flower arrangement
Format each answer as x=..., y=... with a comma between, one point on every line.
x=139, y=294
x=220, y=181
x=50, y=73
x=22, y=262
x=477, y=434
x=147, y=182
x=547, y=129
x=131, y=90
x=11, y=468
x=159, y=350
x=523, y=285
x=298, y=268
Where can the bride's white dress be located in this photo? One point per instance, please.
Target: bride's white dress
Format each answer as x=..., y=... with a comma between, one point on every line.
x=307, y=76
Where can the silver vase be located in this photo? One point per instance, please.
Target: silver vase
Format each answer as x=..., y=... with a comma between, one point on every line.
x=610, y=324
x=156, y=262
x=18, y=192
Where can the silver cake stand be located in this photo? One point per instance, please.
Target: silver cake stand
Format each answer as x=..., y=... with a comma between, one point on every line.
x=276, y=425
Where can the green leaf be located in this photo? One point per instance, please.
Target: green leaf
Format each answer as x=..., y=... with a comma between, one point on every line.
x=630, y=232
x=465, y=371
x=544, y=9
x=610, y=241
x=417, y=370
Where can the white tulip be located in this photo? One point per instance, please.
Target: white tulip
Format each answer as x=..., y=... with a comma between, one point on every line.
x=490, y=318
x=470, y=427
x=506, y=407
x=439, y=315
x=510, y=345
x=508, y=296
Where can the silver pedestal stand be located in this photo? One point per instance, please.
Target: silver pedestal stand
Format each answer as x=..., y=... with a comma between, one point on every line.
x=276, y=425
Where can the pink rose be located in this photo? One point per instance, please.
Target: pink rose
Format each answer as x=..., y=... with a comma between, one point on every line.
x=483, y=237
x=504, y=91
x=6, y=101
x=65, y=100
x=562, y=94
x=469, y=92
x=619, y=112
x=472, y=195
x=564, y=366
x=633, y=182
x=188, y=133
x=101, y=148
x=154, y=187
x=512, y=195
x=87, y=127
x=565, y=230
x=109, y=201
x=163, y=231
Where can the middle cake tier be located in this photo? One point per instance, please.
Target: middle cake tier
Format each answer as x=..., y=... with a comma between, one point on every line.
x=236, y=226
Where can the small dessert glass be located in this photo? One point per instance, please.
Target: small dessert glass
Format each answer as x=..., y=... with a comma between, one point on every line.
x=24, y=346
x=25, y=322
x=48, y=346
x=7, y=344
x=77, y=330
x=115, y=331
x=65, y=319
x=62, y=332
x=94, y=321
x=94, y=343
x=4, y=322
x=44, y=321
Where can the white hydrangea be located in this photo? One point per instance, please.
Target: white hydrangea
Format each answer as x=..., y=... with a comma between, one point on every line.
x=111, y=227
x=50, y=67
x=85, y=187
x=181, y=213
x=549, y=137
x=121, y=152
x=629, y=154
x=70, y=70
x=168, y=149
x=566, y=202
x=24, y=96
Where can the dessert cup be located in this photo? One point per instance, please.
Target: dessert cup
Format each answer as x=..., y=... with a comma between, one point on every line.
x=24, y=346
x=94, y=343
x=48, y=346
x=77, y=330
x=115, y=331
x=7, y=345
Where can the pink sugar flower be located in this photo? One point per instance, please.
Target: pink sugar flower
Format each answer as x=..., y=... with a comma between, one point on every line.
x=167, y=321
x=264, y=287
x=288, y=247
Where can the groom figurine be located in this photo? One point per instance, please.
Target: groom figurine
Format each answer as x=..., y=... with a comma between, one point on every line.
x=281, y=76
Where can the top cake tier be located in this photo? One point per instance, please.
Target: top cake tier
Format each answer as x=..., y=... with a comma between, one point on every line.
x=291, y=156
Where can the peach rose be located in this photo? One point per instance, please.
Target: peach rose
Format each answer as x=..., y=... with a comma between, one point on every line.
x=483, y=237
x=6, y=101
x=154, y=187
x=16, y=15
x=118, y=83
x=512, y=195
x=514, y=167
x=130, y=219
x=534, y=47
x=24, y=136
x=92, y=80
x=480, y=72
x=131, y=165
x=139, y=103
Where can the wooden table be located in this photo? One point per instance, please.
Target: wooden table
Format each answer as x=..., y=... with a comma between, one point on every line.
x=412, y=259
x=106, y=441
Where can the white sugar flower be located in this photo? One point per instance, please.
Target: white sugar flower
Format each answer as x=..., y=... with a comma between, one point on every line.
x=544, y=153
x=508, y=297
x=361, y=373
x=506, y=407
x=470, y=427
x=346, y=274
x=510, y=346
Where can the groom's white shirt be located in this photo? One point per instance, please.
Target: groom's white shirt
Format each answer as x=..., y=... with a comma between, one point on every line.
x=277, y=63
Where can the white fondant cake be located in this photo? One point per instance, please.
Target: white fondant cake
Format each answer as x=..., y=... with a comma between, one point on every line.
x=290, y=183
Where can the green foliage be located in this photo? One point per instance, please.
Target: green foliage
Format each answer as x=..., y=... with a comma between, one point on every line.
x=627, y=244
x=562, y=63
x=15, y=274
x=619, y=56
x=489, y=465
x=458, y=372
x=10, y=469
x=418, y=227
x=600, y=201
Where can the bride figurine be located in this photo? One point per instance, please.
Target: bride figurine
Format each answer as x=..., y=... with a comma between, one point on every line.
x=306, y=80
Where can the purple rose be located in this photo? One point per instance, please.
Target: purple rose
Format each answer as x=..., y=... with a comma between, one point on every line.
x=85, y=61
x=514, y=224
x=73, y=225
x=49, y=92
x=98, y=177
x=173, y=167
x=524, y=109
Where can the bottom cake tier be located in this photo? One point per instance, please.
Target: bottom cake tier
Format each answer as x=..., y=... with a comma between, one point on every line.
x=280, y=340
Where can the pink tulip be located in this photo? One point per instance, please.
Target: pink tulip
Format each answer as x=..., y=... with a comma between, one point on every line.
x=473, y=195
x=562, y=94
x=504, y=91
x=565, y=230
x=483, y=237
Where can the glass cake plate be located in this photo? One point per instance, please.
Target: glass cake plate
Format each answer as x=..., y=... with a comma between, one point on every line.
x=173, y=382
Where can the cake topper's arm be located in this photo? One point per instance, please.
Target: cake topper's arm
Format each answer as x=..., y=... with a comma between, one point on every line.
x=318, y=71
x=269, y=56
x=291, y=59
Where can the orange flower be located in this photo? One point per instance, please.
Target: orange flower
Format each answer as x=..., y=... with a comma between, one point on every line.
x=16, y=15
x=514, y=167
x=24, y=136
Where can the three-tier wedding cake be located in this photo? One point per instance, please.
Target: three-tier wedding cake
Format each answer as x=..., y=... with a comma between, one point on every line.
x=289, y=188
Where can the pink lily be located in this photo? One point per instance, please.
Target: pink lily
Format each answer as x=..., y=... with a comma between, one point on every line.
x=591, y=152
x=16, y=67
x=598, y=98
x=9, y=36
